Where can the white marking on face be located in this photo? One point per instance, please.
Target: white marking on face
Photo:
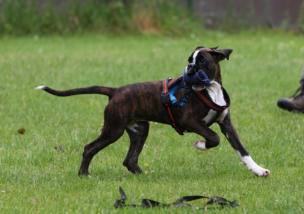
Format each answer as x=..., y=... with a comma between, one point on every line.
x=211, y=114
x=194, y=56
x=201, y=145
x=253, y=166
x=216, y=93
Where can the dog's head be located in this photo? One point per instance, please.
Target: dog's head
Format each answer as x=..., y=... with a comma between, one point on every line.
x=207, y=59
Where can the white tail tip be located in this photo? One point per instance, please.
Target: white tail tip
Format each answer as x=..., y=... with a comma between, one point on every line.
x=40, y=87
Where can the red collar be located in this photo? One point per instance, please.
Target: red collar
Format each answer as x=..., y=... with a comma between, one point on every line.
x=204, y=96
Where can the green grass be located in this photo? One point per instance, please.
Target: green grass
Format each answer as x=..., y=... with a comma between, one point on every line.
x=32, y=17
x=37, y=178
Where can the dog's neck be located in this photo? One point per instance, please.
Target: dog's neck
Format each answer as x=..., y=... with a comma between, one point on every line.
x=217, y=75
x=216, y=93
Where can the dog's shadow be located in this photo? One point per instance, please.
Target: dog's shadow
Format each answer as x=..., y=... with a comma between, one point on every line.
x=161, y=174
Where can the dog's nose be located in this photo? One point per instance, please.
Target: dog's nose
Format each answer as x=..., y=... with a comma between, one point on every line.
x=190, y=68
x=191, y=65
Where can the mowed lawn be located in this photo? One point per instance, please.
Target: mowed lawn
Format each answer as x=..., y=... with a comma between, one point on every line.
x=38, y=169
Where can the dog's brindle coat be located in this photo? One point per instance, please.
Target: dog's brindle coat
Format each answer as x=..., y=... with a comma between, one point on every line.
x=130, y=108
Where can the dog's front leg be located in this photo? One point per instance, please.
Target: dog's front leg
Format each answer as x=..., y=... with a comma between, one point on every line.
x=229, y=131
x=211, y=137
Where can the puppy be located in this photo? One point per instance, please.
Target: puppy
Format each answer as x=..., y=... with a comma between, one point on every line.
x=131, y=107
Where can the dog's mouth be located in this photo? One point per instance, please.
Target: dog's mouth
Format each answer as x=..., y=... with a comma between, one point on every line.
x=195, y=77
x=191, y=68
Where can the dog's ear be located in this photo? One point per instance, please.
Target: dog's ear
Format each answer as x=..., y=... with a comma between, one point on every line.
x=214, y=48
x=199, y=47
x=220, y=54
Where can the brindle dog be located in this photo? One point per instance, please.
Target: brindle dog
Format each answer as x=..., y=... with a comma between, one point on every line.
x=131, y=107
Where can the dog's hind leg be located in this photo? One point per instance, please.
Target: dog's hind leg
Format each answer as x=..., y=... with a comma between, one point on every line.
x=138, y=133
x=108, y=136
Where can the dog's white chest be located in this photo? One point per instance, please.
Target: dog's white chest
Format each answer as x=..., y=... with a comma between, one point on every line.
x=210, y=116
x=216, y=94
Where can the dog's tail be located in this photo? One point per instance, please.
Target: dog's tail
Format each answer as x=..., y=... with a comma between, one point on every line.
x=89, y=90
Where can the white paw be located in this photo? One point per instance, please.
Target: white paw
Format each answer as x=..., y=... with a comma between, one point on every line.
x=201, y=145
x=255, y=168
x=259, y=171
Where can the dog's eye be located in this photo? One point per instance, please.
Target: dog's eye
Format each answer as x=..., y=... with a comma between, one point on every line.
x=203, y=61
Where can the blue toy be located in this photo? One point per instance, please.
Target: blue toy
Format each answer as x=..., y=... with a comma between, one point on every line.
x=198, y=78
